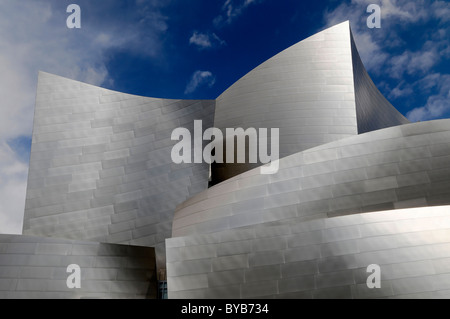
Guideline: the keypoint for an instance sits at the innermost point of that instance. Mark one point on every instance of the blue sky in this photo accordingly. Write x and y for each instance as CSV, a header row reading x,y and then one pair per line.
x,y
196,49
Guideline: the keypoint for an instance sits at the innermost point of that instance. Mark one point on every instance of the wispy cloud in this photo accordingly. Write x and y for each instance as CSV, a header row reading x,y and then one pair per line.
x,y
206,40
402,89
200,78
374,44
232,9
437,105
34,36
381,49
13,182
411,63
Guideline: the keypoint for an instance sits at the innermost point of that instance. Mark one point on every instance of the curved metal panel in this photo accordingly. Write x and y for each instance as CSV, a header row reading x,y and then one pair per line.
x,y
396,167
372,109
101,165
306,91
316,91
324,258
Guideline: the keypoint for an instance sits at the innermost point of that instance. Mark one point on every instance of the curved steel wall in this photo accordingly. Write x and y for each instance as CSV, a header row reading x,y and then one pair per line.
x,y
101,168
312,229
397,167
323,258
316,91
36,267
306,91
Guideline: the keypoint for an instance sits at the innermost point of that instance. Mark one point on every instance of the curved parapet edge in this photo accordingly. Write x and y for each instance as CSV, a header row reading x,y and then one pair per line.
x,y
397,167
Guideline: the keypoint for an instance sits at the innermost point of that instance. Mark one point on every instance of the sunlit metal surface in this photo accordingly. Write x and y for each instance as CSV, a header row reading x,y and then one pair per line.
x,y
316,91
323,258
396,167
101,168
312,229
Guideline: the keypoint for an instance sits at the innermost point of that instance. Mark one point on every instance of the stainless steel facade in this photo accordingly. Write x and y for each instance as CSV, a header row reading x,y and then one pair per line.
x,y
312,229
316,91
101,168
357,185
321,258
306,232
397,167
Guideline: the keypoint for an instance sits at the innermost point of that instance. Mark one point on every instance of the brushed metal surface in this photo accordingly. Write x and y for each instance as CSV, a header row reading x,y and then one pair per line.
x,y
100,165
411,246
334,189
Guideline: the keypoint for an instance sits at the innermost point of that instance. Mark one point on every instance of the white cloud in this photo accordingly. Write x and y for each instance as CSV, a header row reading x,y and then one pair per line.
x,y
406,11
428,82
34,36
413,62
206,40
441,10
202,40
438,104
373,44
13,182
376,47
200,78
232,9
401,89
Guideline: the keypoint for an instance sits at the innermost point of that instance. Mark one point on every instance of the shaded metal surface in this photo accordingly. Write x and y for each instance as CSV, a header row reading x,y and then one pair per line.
x,y
36,267
323,258
373,111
